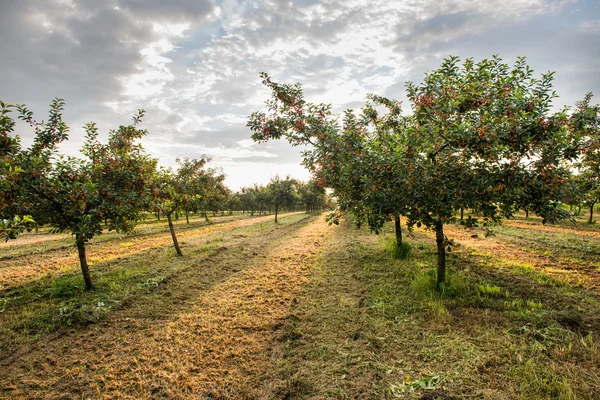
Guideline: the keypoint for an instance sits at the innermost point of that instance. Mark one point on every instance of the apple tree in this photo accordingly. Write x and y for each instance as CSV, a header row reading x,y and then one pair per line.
x,y
282,193
484,138
172,190
73,194
585,123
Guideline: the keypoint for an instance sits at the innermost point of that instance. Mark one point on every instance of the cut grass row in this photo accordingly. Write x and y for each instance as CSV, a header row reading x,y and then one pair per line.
x,y
43,241
47,304
368,326
563,257
205,332
31,266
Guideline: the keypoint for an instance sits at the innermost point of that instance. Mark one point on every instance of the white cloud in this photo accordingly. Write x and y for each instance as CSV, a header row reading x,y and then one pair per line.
x,y
194,65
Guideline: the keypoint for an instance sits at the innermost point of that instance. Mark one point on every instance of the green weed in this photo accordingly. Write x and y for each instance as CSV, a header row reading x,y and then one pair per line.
x,y
66,286
537,381
489,290
401,252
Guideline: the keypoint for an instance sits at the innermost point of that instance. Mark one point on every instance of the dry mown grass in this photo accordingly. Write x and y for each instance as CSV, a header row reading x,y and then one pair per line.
x,y
42,241
290,311
372,328
558,253
33,261
578,229
207,332
43,305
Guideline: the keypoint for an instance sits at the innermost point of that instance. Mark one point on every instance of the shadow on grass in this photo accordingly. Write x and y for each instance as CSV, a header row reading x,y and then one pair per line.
x,y
50,304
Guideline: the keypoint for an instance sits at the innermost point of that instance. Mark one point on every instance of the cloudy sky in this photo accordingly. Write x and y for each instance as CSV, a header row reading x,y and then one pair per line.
x,y
194,64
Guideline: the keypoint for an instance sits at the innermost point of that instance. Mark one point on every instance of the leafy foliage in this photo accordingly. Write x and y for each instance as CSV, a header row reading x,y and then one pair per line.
x,y
73,194
481,136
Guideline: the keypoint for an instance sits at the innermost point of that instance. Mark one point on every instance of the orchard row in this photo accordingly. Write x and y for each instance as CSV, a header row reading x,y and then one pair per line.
x,y
115,184
480,136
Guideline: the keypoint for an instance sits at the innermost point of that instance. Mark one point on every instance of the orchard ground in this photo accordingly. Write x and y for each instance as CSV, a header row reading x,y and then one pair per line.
x,y
303,310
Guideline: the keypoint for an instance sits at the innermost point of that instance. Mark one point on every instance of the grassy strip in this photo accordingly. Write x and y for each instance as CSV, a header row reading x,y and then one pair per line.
x,y
369,326
142,230
581,250
48,304
31,267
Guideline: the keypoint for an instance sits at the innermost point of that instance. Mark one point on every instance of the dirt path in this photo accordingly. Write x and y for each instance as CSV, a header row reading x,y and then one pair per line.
x,y
16,271
209,332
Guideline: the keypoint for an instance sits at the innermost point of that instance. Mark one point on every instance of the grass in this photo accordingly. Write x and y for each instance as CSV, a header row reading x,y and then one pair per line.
x,y
50,303
577,248
200,332
43,241
300,310
391,247
368,327
28,267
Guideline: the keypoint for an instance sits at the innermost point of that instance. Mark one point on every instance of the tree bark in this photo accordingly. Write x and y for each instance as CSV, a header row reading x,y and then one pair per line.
x,y
206,215
441,253
187,217
462,213
85,270
526,213
398,231
276,209
172,229
592,212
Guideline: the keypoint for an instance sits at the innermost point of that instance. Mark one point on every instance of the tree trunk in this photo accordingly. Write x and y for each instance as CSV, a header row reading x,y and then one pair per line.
x,y
441,253
592,212
172,229
526,213
187,217
276,209
85,270
158,215
398,231
570,207
462,213
579,211
206,215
